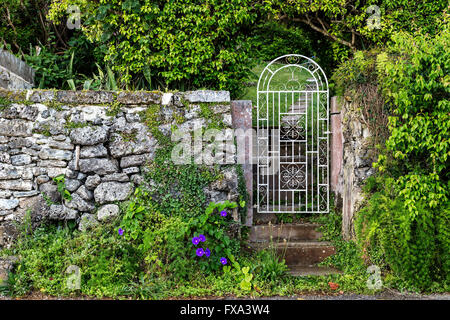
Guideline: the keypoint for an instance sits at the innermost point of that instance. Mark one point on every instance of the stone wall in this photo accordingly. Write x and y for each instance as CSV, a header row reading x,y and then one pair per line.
x,y
14,73
98,141
352,139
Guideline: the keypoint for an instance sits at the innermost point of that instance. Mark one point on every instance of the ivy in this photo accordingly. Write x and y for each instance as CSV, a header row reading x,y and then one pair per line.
x,y
407,216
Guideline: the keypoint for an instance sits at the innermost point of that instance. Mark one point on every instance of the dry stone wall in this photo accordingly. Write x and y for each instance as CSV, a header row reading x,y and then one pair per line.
x,y
98,141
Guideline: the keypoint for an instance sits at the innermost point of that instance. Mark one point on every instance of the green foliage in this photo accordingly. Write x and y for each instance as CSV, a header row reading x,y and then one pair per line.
x,y
241,274
215,119
356,79
175,45
107,262
161,239
415,247
269,266
62,59
4,103
271,39
114,109
69,69
166,240
61,185
179,188
51,69
346,22
216,230
154,260
20,24
405,224
352,73
420,125
349,256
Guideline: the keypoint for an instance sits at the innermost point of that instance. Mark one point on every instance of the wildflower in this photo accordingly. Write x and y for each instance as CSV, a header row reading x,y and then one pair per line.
x,y
195,241
223,261
223,213
120,232
200,252
201,237
207,252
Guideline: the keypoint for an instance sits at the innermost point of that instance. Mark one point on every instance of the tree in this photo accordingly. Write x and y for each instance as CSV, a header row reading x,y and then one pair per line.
x,y
351,23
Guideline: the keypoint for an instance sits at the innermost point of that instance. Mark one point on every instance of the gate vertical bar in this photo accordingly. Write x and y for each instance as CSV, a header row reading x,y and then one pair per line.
x,y
318,148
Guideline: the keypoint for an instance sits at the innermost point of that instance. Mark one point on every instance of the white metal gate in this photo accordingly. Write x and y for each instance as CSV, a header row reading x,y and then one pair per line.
x,y
292,137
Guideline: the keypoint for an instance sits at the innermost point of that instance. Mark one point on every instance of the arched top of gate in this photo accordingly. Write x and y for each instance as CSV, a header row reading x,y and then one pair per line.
x,y
292,72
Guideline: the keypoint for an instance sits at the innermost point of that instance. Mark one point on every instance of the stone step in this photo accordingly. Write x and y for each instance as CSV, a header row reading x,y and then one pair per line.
x,y
302,271
299,253
290,232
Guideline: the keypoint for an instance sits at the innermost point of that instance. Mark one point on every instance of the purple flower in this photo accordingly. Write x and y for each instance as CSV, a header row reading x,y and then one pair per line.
x,y
201,237
199,252
195,241
120,232
207,252
223,261
223,213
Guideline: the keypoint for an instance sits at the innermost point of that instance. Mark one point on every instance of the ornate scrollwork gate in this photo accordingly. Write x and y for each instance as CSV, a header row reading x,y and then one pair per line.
x,y
292,137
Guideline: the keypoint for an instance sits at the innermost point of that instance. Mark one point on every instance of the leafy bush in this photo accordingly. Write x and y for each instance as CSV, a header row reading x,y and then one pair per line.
x,y
76,63
22,23
414,246
167,241
106,261
347,22
115,258
176,45
405,224
414,76
271,40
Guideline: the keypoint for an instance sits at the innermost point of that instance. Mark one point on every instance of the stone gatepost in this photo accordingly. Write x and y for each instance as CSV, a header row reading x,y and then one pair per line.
x,y
14,73
351,160
241,111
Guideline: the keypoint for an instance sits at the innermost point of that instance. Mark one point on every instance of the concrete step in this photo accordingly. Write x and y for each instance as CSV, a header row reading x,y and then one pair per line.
x,y
299,253
290,232
301,271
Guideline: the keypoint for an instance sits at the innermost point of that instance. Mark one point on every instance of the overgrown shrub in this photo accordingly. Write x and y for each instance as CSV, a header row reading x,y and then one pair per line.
x,y
175,45
407,216
107,262
414,246
166,240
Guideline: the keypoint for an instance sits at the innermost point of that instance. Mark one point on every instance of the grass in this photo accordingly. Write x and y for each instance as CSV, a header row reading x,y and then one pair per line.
x,y
282,77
